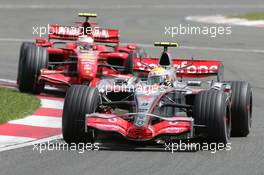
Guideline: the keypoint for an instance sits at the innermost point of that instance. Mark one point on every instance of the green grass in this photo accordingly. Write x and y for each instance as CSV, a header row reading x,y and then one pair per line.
x,y
250,16
14,104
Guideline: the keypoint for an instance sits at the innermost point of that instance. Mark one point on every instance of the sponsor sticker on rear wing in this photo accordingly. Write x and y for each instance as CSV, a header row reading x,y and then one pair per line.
x,y
64,32
105,35
197,68
184,67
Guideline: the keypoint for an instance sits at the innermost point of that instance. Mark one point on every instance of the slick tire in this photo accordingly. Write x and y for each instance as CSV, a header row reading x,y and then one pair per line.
x,y
22,54
241,108
211,110
79,101
35,59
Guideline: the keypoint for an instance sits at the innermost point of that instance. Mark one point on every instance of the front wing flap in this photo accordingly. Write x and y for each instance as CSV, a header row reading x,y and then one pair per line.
x,y
109,122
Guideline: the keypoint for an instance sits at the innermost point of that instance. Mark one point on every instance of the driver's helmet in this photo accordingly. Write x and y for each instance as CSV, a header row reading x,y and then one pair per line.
x,y
160,76
85,42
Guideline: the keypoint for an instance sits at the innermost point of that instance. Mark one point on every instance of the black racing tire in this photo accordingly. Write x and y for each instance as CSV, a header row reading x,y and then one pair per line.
x,y
212,110
241,108
35,59
79,101
22,54
129,65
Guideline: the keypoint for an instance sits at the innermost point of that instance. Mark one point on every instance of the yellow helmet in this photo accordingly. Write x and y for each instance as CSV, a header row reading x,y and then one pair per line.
x,y
159,75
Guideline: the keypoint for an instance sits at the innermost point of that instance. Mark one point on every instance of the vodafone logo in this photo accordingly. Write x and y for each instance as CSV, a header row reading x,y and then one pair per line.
x,y
195,68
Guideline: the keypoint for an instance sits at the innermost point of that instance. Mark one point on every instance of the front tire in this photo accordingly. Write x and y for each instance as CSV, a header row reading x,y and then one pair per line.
x,y
35,59
22,54
212,111
241,108
79,101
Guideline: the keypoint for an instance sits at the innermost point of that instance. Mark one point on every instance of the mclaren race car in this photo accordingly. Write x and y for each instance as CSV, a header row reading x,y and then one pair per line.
x,y
161,107
74,55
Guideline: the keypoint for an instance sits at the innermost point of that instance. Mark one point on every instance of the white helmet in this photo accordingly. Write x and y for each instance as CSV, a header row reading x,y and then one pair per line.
x,y
85,42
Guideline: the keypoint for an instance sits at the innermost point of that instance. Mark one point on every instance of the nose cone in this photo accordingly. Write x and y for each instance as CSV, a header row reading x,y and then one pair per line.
x,y
141,133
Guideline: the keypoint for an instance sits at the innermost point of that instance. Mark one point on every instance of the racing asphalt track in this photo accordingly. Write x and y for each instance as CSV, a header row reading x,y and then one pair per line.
x,y
143,22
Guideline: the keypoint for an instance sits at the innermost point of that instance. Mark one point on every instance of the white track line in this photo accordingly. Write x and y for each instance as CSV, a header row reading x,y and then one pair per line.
x,y
7,80
11,140
47,87
39,121
30,143
220,19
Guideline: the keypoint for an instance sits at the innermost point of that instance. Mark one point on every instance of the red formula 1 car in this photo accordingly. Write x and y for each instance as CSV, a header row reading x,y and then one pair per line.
x,y
163,107
70,56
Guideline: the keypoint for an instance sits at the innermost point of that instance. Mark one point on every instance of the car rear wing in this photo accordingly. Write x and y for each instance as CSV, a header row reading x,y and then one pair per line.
x,y
72,33
106,35
87,15
184,67
64,32
198,68
166,44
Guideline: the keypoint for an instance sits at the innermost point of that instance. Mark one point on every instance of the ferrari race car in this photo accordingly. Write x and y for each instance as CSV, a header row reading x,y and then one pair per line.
x,y
70,56
162,107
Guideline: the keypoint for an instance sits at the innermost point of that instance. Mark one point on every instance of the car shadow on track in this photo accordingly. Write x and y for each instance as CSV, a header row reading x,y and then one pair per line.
x,y
142,147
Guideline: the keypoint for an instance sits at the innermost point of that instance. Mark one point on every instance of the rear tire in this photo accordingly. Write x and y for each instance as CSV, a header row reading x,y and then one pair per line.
x,y
79,101
35,59
241,108
212,110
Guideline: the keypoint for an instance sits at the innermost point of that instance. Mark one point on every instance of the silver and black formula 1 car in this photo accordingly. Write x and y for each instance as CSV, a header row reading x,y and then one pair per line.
x,y
161,107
